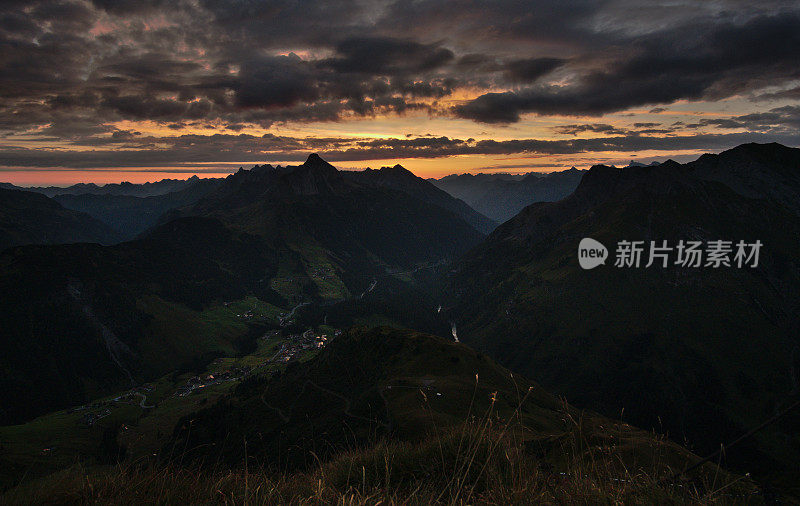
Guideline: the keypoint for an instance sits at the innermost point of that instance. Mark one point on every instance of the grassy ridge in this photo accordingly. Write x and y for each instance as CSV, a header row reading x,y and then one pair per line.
x,y
377,415
482,461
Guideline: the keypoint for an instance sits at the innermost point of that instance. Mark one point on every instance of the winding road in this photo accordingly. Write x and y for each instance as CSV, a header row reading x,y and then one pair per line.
x,y
142,402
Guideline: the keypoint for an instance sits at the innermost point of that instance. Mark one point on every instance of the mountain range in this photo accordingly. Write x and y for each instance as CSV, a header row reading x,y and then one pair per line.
x,y
126,188
133,214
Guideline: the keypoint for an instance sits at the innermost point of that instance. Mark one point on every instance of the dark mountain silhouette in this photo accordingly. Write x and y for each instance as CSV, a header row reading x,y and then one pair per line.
x,y
703,353
758,171
502,196
335,220
31,218
399,178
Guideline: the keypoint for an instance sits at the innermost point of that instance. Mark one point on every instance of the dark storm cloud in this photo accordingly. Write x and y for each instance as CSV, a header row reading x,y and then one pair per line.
x,y
689,62
129,6
496,22
222,72
531,69
388,56
276,82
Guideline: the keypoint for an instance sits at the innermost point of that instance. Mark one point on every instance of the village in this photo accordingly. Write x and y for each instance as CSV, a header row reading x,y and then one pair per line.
x,y
206,380
292,347
297,344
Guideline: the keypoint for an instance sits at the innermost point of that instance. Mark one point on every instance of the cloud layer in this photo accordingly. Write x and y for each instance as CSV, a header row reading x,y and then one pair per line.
x,y
73,71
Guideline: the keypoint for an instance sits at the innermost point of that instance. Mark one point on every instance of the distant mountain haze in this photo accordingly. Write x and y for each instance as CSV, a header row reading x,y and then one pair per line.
x,y
502,196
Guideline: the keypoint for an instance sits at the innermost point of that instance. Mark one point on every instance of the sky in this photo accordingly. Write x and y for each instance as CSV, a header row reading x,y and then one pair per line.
x,y
140,90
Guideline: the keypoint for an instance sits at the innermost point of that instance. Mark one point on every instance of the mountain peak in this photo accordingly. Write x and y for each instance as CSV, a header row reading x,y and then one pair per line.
x,y
397,169
315,160
670,164
314,176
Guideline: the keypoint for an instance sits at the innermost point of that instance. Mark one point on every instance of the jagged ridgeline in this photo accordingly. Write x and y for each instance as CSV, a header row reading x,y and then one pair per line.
x,y
704,354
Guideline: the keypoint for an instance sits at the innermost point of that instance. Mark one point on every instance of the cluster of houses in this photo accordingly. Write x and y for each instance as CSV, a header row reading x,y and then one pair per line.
x,y
203,381
247,315
295,345
93,412
299,343
132,396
